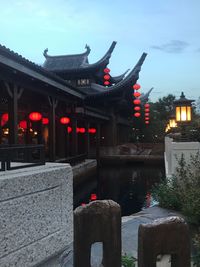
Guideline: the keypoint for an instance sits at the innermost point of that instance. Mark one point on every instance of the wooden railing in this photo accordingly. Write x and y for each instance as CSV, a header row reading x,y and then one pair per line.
x,y
21,156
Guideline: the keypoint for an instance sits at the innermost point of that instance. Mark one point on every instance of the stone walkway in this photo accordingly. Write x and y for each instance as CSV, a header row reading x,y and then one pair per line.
x,y
130,226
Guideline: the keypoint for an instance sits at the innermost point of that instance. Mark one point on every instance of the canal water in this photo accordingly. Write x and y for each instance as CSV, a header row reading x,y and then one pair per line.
x,y
127,184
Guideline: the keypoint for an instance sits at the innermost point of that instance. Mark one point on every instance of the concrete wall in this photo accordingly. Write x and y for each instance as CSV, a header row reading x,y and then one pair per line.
x,y
176,149
36,215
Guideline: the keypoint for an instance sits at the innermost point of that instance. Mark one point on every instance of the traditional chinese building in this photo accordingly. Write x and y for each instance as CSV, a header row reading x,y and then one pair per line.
x,y
64,104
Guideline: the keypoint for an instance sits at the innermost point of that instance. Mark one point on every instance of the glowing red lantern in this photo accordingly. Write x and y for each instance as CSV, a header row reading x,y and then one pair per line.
x,y
93,197
35,116
106,83
64,120
80,130
146,122
147,110
106,77
137,101
146,114
137,108
69,129
137,114
106,70
136,94
45,121
136,86
92,130
23,124
146,105
4,119
146,118
83,204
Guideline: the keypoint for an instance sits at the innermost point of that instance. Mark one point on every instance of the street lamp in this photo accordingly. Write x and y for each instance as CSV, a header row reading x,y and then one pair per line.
x,y
172,121
183,109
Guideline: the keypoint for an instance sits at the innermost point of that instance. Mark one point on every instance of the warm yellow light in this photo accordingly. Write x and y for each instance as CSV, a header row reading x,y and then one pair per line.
x,y
178,113
183,113
172,123
189,113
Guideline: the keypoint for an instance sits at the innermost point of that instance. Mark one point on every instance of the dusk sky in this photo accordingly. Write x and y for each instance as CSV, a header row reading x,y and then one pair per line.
x,y
169,31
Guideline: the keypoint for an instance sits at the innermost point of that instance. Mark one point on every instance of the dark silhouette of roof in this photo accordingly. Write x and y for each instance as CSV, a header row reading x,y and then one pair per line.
x,y
97,90
71,63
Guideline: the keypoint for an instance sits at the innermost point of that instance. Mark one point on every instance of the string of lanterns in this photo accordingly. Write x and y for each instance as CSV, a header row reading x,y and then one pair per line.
x,y
106,77
146,113
136,101
37,116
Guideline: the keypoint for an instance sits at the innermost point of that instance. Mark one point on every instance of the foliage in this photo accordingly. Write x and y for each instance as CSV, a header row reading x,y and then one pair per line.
x,y
196,257
128,261
182,191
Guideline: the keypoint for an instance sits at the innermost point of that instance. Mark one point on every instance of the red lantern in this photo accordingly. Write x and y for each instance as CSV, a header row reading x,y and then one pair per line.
x,y
136,94
137,108
69,129
45,121
35,116
23,124
64,120
137,101
92,130
106,70
93,197
106,77
146,114
146,118
80,130
106,83
147,110
146,105
137,114
136,86
146,122
4,119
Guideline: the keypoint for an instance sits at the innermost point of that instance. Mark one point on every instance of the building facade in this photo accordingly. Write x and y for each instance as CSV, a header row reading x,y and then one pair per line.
x,y
64,104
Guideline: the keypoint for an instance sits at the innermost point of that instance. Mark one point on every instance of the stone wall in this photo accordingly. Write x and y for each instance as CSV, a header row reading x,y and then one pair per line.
x,y
174,150
36,215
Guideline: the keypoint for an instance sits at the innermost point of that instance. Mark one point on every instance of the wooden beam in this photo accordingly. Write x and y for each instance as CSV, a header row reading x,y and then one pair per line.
x,y
35,74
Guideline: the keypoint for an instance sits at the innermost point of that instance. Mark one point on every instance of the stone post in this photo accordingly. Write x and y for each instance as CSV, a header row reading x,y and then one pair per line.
x,y
99,221
164,236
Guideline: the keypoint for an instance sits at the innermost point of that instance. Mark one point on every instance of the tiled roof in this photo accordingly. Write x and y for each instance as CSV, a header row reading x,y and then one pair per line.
x,y
75,62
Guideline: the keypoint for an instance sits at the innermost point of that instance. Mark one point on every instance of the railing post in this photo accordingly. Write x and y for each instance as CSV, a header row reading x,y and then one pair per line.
x,y
99,221
166,236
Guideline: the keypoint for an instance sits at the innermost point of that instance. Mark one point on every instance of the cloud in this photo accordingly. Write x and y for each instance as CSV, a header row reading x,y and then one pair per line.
x,y
174,46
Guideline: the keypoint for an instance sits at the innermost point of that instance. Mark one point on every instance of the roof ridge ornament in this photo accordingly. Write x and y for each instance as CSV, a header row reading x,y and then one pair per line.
x,y
45,53
87,47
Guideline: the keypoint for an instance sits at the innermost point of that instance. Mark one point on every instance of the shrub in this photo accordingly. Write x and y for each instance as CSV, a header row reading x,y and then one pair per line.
x,y
128,261
182,191
196,257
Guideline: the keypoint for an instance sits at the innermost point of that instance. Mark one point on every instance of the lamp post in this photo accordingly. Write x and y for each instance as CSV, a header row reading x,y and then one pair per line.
x,y
183,108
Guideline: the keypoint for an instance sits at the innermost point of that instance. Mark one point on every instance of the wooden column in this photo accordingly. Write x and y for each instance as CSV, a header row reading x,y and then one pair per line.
x,y
14,94
113,133
74,137
52,132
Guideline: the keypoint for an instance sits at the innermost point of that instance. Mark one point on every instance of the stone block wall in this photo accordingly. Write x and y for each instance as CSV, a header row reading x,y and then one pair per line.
x,y
36,214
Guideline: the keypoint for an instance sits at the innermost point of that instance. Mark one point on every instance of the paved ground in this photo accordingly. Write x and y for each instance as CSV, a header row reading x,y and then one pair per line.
x,y
130,226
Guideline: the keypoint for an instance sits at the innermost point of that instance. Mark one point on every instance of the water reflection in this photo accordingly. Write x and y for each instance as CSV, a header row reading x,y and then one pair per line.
x,y
129,185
